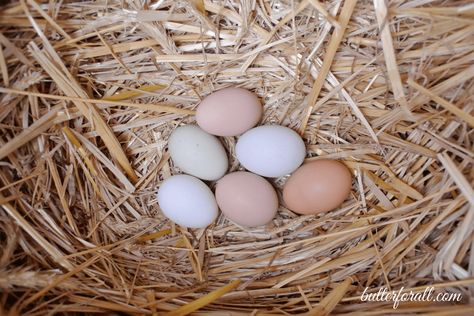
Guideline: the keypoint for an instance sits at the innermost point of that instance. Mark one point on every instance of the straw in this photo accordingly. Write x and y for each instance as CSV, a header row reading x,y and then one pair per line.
x,y
91,91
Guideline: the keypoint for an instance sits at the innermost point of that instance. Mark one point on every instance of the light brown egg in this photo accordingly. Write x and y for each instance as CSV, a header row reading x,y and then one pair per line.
x,y
318,186
229,112
246,198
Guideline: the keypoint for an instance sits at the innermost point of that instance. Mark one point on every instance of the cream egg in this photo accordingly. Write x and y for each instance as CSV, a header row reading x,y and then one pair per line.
x,y
317,186
270,150
246,199
187,201
197,153
229,112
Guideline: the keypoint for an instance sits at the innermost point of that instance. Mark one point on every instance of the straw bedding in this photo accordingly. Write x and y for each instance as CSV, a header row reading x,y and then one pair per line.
x,y
92,89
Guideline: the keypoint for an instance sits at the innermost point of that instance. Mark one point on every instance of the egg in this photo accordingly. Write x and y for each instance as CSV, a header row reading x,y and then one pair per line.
x,y
317,186
246,199
187,201
229,112
270,150
197,153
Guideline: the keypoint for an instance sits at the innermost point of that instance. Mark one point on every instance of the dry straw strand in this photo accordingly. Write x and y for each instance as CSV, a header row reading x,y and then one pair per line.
x,y
333,45
383,21
203,301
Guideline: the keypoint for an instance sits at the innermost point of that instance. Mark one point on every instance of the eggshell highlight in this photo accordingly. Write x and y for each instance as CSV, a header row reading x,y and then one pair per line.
x,y
229,112
247,199
197,153
187,201
270,150
318,186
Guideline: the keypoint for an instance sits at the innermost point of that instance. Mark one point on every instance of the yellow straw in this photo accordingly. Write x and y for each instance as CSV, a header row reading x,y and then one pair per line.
x,y
203,301
133,93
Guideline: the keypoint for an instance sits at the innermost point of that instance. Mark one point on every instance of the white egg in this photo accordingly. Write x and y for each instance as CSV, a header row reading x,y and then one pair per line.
x,y
198,153
187,201
270,150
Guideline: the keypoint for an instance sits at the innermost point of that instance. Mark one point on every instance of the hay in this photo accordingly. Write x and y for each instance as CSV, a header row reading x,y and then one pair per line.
x,y
91,91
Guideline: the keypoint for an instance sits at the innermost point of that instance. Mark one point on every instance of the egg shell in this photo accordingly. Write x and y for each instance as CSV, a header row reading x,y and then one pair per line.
x,y
229,112
198,153
247,199
317,186
187,201
270,150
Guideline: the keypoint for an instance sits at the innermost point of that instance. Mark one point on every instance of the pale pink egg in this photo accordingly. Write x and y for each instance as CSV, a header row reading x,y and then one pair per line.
x,y
229,112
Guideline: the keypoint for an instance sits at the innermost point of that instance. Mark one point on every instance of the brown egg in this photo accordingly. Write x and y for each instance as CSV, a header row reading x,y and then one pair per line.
x,y
229,112
247,199
318,186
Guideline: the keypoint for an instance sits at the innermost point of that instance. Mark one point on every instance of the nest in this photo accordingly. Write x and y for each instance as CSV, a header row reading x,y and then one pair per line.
x,y
91,91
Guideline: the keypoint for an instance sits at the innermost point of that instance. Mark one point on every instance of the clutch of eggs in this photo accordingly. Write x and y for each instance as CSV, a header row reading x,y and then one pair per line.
x,y
246,198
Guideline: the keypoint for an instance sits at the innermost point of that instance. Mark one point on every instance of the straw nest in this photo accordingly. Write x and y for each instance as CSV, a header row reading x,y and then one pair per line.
x,y
91,91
